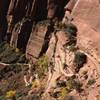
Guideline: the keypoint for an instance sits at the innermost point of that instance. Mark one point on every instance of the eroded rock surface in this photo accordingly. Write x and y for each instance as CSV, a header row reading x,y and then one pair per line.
x,y
89,11
37,39
55,50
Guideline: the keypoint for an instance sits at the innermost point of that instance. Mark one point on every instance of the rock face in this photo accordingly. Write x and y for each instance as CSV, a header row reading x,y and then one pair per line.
x,y
87,19
19,10
3,21
89,11
37,40
65,51
56,8
86,37
60,57
21,31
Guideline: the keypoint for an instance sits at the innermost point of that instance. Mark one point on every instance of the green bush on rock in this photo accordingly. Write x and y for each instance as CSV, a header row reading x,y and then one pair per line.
x,y
91,82
79,60
9,55
42,65
71,30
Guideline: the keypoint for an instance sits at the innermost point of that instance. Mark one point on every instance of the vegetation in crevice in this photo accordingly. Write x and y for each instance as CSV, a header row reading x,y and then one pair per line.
x,y
91,82
79,60
42,66
9,55
65,87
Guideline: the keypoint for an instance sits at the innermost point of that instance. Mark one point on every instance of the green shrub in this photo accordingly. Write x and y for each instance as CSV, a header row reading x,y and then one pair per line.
x,y
74,84
16,68
73,48
43,23
9,55
79,60
71,83
64,92
61,83
56,94
3,98
6,52
42,65
61,26
71,30
22,59
91,82
3,47
11,94
72,41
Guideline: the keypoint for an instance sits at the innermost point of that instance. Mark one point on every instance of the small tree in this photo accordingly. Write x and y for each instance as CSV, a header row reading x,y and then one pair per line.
x,y
79,60
71,30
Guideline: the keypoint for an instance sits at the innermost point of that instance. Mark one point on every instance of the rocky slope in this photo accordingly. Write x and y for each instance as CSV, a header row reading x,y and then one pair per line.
x,y
49,52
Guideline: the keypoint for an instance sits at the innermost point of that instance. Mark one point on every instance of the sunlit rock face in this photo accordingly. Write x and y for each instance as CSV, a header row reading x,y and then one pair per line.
x,y
36,43
87,19
89,11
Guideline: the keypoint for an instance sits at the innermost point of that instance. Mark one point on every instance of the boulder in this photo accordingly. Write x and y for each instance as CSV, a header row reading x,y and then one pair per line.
x,y
36,41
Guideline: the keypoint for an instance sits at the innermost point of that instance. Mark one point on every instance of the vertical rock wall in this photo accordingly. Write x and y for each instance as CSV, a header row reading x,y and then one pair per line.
x,y
89,11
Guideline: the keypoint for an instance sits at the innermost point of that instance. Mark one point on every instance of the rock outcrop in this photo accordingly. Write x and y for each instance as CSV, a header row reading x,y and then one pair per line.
x,y
88,10
37,40
30,10
63,57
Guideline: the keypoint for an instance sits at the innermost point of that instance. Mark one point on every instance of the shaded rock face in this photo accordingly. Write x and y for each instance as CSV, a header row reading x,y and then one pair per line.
x,y
21,32
31,8
4,5
3,22
34,11
41,10
68,11
17,9
56,8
